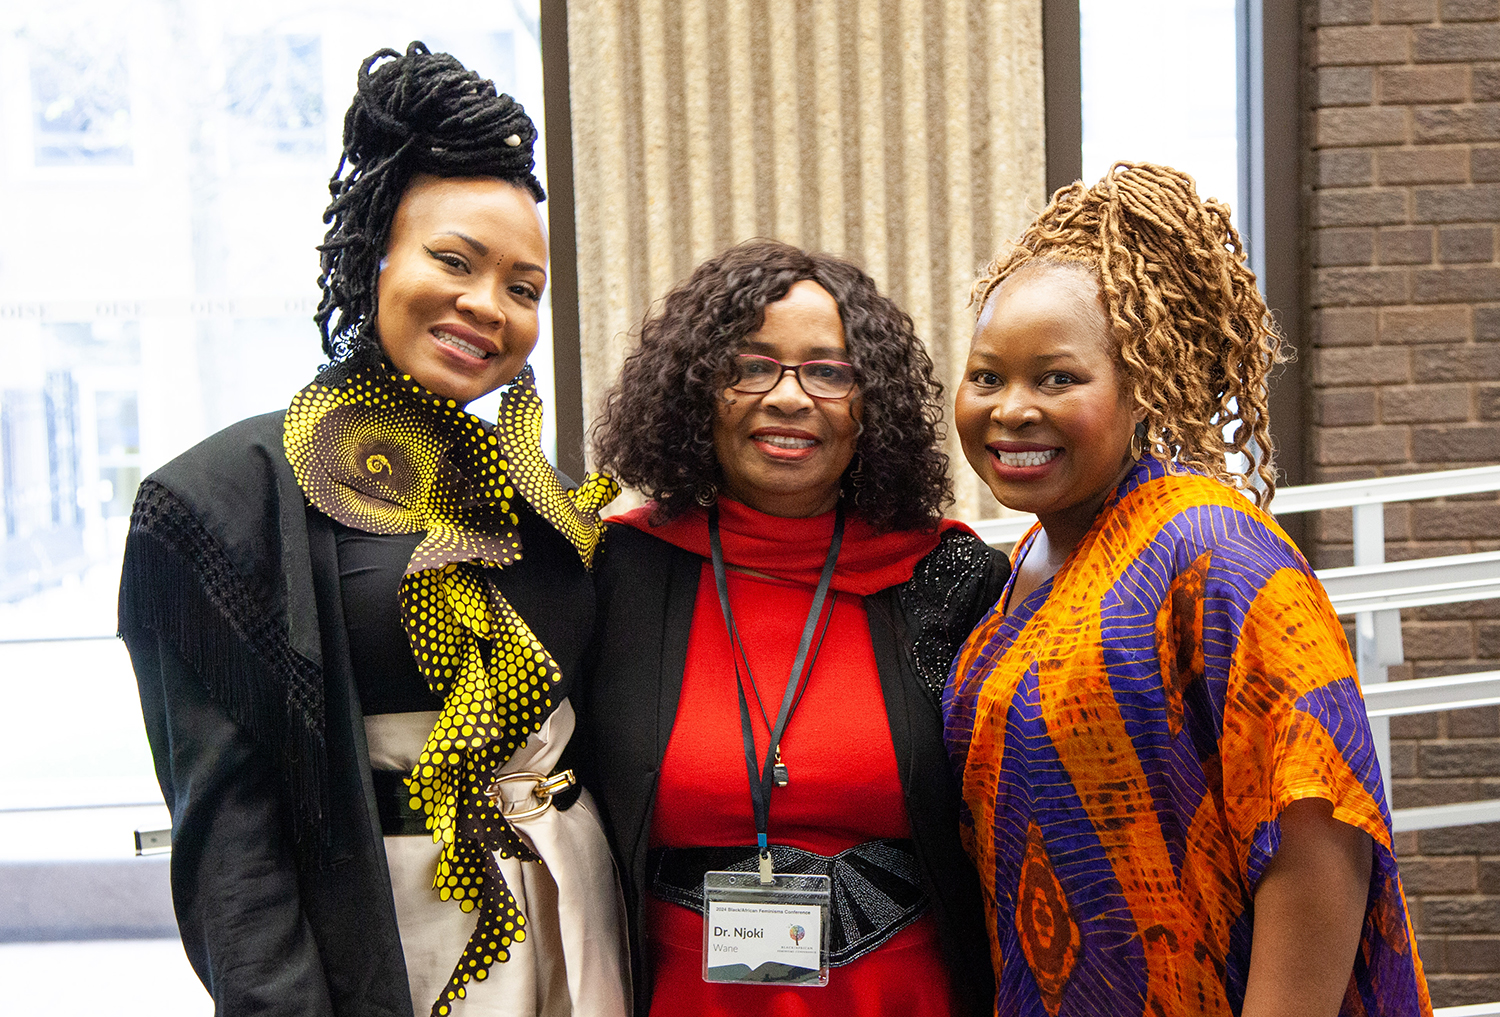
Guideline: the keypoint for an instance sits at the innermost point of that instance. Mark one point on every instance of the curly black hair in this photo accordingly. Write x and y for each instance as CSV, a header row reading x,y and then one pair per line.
x,y
422,112
656,431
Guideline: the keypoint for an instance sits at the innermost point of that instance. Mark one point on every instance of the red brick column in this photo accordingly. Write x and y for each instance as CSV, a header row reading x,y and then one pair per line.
x,y
1403,366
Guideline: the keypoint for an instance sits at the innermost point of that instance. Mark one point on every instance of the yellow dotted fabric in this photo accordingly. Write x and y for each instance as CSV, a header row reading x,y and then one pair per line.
x,y
380,453
574,513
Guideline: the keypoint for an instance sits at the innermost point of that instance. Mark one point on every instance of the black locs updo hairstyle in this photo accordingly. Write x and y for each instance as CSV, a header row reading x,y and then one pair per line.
x,y
656,431
420,112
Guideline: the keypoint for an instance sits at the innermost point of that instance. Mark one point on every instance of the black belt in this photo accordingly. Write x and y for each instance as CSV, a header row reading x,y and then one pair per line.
x,y
877,889
393,800
399,819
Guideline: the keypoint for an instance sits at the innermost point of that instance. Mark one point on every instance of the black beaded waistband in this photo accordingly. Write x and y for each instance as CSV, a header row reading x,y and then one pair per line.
x,y
877,888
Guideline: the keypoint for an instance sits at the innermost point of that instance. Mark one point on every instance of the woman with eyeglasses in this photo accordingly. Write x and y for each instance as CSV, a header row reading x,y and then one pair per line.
x,y
775,628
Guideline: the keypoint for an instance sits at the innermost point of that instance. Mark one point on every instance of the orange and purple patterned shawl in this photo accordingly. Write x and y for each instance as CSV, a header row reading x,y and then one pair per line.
x,y
1126,740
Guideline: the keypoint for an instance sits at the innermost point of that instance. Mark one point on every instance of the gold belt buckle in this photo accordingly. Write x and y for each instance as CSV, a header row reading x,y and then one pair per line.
x,y
545,788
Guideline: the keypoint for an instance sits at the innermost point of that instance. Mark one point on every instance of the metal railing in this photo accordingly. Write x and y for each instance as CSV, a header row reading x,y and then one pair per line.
x,y
1473,1010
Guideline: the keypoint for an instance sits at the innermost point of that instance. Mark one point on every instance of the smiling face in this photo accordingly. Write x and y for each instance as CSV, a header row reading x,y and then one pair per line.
x,y
783,452
1042,411
461,282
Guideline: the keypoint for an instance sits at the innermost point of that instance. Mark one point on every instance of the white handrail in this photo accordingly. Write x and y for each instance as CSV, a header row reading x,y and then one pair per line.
x,y
1418,583
1385,587
1413,487
1314,497
1428,695
1472,1010
1432,817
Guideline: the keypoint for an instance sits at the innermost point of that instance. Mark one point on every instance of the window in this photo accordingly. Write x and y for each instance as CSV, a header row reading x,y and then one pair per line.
x,y
1158,82
80,99
273,97
142,308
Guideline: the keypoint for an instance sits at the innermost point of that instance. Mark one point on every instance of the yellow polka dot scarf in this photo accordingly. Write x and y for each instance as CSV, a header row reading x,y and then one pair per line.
x,y
378,452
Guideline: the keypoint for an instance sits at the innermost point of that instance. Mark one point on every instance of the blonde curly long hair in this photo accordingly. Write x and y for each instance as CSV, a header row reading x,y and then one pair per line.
x,y
1197,342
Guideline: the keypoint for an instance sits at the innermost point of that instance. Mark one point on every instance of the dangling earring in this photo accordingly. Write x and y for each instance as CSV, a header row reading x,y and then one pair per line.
x,y
706,493
1138,442
857,478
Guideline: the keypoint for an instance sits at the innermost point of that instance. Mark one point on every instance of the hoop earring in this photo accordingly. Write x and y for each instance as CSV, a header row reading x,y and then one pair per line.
x,y
1138,442
706,493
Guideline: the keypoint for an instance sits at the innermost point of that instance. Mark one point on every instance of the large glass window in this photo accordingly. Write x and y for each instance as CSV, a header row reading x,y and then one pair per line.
x,y
1159,85
80,95
165,166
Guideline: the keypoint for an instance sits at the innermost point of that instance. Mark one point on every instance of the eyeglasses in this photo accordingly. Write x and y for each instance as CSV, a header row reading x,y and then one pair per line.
x,y
821,379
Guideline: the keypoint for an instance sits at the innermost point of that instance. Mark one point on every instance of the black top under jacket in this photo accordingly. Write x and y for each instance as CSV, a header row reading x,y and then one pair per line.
x,y
555,600
633,679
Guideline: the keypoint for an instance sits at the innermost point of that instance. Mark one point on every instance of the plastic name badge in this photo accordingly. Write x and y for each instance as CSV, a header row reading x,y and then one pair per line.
x,y
759,934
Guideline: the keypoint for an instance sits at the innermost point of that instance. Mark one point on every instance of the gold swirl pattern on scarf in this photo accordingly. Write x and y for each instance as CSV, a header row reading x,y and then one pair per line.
x,y
380,453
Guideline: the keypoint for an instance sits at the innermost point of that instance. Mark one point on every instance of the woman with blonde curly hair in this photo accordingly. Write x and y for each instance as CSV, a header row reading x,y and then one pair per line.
x,y
1169,781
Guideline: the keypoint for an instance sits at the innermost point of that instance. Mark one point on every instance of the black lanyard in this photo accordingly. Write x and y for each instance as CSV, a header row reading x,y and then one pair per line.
x,y
760,784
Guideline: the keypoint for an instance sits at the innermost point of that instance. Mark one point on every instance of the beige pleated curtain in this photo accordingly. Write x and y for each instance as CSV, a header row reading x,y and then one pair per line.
x,y
904,135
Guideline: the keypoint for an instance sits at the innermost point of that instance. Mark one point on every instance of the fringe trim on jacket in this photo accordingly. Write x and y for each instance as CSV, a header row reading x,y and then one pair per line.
x,y
179,583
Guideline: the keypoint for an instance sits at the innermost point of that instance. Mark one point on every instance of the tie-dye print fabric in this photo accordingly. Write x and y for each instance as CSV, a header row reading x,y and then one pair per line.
x,y
1126,740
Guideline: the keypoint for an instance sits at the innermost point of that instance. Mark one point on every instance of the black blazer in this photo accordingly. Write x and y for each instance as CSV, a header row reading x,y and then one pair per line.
x,y
633,679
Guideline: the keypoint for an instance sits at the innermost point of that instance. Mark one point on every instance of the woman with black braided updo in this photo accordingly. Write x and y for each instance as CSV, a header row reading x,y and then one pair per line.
x,y
356,624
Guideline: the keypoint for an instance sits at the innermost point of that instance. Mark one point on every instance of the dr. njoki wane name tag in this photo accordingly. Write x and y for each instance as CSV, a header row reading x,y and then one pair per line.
x,y
773,934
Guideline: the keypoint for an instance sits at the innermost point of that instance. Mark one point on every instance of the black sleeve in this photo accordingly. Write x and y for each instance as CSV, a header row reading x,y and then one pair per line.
x,y
950,592
234,876
916,629
996,575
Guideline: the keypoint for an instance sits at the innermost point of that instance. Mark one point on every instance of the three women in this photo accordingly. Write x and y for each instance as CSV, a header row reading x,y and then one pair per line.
x,y
362,619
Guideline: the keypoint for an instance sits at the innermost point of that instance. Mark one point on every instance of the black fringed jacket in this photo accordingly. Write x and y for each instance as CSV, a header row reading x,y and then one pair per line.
x,y
231,608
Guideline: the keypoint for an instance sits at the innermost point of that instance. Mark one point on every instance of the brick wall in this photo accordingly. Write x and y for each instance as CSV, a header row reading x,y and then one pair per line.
x,y
1403,369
